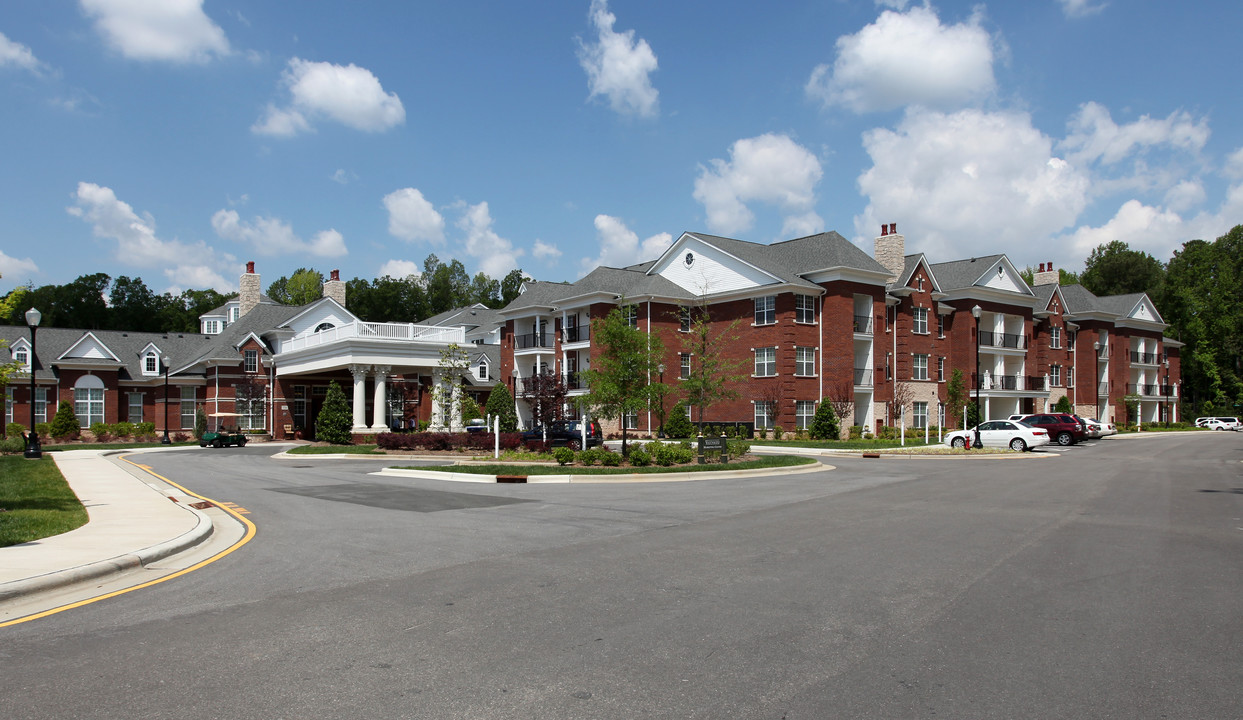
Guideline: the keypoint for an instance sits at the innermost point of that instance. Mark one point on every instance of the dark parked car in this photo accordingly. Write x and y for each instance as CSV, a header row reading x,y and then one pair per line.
x,y
1063,429
566,433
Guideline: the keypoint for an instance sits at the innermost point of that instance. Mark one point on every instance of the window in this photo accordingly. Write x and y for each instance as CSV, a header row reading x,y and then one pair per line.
x,y
763,412
804,412
940,369
22,356
134,407
920,317
920,411
8,405
688,411
631,420
481,372
1055,338
1055,375
234,314
805,361
631,314
765,362
766,310
88,405
187,407
299,406
684,319
920,369
1070,377
804,308
211,327
940,325
684,359
252,360
150,364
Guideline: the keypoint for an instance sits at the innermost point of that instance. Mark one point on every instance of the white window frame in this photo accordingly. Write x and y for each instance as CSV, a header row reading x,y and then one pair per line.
x,y
186,406
630,313
919,320
130,406
919,362
684,363
8,404
804,413
765,310
1055,375
805,309
151,364
765,359
941,369
88,406
761,415
21,355
250,361
919,414
684,318
940,326
804,361
630,420
1055,338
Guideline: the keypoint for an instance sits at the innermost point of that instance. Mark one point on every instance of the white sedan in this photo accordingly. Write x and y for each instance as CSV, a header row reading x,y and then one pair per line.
x,y
1018,436
1099,429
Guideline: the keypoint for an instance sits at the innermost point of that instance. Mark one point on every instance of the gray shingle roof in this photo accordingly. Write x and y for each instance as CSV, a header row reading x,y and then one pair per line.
x,y
789,260
127,346
961,274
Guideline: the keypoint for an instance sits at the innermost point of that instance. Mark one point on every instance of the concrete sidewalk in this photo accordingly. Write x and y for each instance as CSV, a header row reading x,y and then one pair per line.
x,y
132,523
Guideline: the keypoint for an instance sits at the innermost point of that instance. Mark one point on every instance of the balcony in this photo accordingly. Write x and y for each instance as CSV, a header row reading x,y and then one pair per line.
x,y
532,340
1102,389
1037,383
863,325
863,377
1147,390
1003,340
1010,383
576,334
574,381
383,332
1139,358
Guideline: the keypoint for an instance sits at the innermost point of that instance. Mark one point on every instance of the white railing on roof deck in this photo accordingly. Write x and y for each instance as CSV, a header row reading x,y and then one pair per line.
x,y
389,332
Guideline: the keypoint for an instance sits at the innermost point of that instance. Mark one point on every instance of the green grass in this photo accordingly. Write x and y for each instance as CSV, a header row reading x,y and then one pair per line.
x,y
850,444
335,450
112,446
771,461
36,501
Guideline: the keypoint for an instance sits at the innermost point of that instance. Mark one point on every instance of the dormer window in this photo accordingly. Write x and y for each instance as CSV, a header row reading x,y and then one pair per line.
x,y
211,327
234,314
22,356
151,363
251,358
324,326
481,372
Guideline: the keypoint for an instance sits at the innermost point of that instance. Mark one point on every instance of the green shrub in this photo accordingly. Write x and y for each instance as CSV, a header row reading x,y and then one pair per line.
x,y
678,426
44,429
762,433
563,455
12,444
856,432
824,424
335,418
501,403
737,447
100,431
200,423
122,429
14,430
799,433
778,431
65,423
589,456
640,457
609,458
144,429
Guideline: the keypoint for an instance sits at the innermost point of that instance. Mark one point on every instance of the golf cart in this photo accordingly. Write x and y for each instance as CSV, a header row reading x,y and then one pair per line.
x,y
222,436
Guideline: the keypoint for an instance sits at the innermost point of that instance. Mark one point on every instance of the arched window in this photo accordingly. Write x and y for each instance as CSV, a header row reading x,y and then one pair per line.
x,y
88,400
324,326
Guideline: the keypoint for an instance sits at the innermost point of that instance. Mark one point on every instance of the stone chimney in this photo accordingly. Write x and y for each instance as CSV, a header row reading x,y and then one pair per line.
x,y
1046,275
334,288
249,288
891,250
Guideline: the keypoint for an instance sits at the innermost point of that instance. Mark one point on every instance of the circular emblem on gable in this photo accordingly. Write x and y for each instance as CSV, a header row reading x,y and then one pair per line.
x,y
689,259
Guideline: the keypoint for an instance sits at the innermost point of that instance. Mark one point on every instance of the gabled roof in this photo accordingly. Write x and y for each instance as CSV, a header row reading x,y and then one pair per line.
x,y
790,260
126,347
910,264
261,320
476,319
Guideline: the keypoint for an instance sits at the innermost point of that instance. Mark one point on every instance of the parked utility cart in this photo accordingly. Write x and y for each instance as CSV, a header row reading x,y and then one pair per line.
x,y
222,436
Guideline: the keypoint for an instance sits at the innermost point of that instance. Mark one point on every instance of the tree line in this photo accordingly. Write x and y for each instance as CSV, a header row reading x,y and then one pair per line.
x,y
99,302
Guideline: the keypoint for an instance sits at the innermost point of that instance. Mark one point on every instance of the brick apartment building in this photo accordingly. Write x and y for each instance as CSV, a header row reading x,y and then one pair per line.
x,y
255,364
818,318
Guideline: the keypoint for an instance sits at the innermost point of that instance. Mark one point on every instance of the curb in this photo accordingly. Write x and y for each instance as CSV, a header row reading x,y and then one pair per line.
x,y
599,479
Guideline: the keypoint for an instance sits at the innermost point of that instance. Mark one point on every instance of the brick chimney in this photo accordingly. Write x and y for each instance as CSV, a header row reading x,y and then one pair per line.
x,y
249,288
334,288
891,250
1046,275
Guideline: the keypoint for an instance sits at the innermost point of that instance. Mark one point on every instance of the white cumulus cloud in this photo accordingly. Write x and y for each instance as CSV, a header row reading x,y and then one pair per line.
x,y
618,66
968,183
346,94
412,218
272,236
15,54
1080,8
399,269
495,254
138,244
545,251
14,268
173,30
620,246
1095,137
770,169
908,59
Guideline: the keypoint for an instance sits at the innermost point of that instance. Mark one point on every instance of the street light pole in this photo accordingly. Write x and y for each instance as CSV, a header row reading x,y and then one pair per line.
x,y
33,451
661,369
165,441
975,313
1166,363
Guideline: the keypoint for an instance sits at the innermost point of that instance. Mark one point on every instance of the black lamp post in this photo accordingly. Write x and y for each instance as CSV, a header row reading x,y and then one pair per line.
x,y
1097,347
975,313
33,451
1166,363
661,369
165,441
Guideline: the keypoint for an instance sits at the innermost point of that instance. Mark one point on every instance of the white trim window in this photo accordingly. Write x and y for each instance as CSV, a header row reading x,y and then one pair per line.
x,y
941,369
940,325
804,413
630,313
684,361
1055,338
8,404
1055,375
630,420
151,364
919,370
187,407
919,412
211,327
251,360
765,362
684,319
762,411
21,356
919,320
481,371
805,309
133,407
766,310
805,361
88,401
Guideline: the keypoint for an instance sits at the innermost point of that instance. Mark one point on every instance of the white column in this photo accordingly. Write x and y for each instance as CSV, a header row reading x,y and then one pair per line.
x,y
360,399
380,399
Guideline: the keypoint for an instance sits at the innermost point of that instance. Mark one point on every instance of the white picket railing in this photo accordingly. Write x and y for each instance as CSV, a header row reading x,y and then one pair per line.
x,y
389,332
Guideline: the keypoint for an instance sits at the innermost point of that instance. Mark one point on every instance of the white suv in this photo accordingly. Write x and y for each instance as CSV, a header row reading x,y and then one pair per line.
x,y
1223,423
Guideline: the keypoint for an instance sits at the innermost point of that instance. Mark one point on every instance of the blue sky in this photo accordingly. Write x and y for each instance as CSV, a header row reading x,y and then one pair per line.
x,y
176,139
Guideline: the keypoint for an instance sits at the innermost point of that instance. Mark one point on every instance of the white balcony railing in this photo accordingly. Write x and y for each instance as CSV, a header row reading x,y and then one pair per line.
x,y
385,332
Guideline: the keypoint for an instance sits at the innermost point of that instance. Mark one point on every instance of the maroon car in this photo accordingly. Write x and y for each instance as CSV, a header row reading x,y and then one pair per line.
x,y
1063,429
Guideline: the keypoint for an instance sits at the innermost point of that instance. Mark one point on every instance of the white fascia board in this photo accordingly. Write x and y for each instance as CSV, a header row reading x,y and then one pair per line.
x,y
238,345
313,306
88,336
847,274
1004,297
